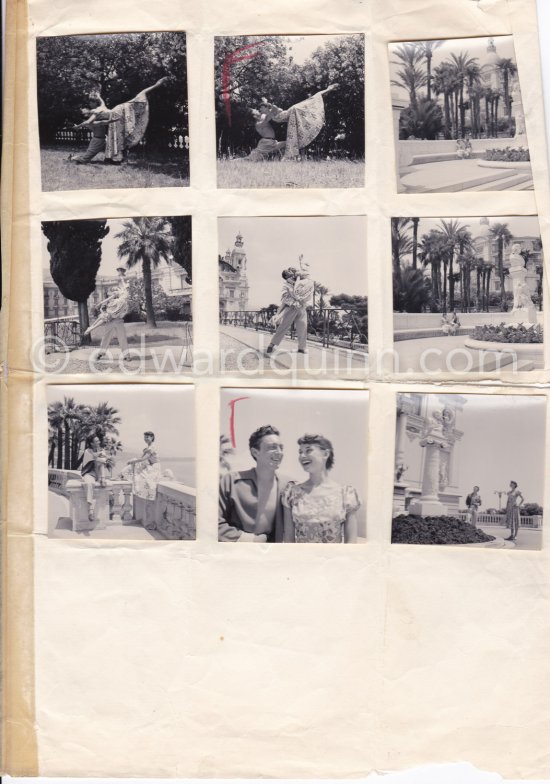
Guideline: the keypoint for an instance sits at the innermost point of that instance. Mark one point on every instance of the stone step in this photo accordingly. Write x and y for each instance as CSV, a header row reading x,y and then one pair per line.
x,y
475,183
523,179
488,364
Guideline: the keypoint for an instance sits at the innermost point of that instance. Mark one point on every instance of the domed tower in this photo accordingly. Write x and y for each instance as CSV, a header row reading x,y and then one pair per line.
x,y
490,70
238,255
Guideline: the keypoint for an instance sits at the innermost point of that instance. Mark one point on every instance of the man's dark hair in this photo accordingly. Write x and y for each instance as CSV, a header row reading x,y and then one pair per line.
x,y
256,438
289,272
149,433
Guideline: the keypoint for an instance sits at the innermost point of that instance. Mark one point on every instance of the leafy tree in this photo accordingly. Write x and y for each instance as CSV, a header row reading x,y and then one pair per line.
x,y
181,248
401,245
508,69
136,301
72,424
409,76
75,255
147,241
355,318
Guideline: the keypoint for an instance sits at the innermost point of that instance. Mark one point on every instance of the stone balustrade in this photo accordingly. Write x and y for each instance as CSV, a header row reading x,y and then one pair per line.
x,y
58,478
112,504
526,521
172,513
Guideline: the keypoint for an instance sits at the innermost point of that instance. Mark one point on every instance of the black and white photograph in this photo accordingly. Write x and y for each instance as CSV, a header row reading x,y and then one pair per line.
x,y
293,466
458,116
467,294
469,470
290,111
121,462
293,294
117,296
112,111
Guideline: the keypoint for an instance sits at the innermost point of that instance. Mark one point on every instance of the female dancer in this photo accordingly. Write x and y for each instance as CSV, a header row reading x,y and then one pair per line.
x,y
111,312
513,504
319,510
304,123
144,471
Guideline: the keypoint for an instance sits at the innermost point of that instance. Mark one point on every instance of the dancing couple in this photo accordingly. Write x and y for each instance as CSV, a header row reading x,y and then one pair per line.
x,y
111,315
292,312
304,123
115,131
259,505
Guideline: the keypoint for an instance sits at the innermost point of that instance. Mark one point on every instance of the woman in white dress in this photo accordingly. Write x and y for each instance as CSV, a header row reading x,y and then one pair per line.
x,y
145,471
319,509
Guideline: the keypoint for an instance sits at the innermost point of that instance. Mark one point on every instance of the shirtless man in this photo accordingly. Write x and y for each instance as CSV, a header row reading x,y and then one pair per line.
x,y
250,501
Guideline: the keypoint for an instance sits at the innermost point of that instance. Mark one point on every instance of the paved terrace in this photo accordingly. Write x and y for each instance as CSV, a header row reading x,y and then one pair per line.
x,y
243,349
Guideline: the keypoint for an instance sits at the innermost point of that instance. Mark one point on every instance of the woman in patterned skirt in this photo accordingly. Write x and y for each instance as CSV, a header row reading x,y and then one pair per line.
x,y
319,510
513,505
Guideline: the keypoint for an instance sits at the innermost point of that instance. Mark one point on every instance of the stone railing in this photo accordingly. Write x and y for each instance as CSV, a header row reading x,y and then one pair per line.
x,y
58,478
172,513
526,521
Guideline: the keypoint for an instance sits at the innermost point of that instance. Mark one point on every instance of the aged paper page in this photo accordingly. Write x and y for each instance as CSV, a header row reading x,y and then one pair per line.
x,y
205,659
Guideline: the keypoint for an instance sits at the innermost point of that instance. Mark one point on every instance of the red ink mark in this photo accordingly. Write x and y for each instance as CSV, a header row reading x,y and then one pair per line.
x,y
236,56
231,405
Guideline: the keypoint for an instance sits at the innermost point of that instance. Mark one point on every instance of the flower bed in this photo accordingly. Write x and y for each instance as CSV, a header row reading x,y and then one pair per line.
x,y
509,154
412,529
508,333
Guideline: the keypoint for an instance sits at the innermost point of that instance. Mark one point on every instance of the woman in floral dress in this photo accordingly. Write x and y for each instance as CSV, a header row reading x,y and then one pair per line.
x,y
144,472
319,510
513,504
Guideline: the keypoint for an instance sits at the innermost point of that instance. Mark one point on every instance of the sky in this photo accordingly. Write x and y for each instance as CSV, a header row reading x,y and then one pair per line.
x,y
109,245
475,47
520,226
335,248
503,440
167,410
341,416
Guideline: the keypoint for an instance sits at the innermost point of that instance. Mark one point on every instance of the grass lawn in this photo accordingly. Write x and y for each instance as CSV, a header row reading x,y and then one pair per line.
x,y
60,174
240,173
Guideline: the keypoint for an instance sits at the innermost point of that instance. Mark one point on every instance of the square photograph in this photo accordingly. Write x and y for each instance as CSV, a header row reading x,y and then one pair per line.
x,y
467,294
293,295
112,111
121,462
290,111
458,117
293,466
469,470
117,296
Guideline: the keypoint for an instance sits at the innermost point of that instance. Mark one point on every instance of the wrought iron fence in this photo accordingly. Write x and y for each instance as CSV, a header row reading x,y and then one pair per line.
x,y
63,330
331,327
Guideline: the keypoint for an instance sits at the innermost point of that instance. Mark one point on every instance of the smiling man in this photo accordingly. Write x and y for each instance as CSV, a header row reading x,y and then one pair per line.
x,y
250,501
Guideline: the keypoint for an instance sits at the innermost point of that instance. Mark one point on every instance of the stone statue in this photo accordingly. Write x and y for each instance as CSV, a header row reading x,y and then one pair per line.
x,y
399,471
524,310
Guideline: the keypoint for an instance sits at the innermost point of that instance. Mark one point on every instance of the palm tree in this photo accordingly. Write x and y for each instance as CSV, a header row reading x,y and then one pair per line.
x,y
461,63
415,291
456,236
503,236
409,77
56,421
427,48
433,249
507,68
473,79
401,245
149,241
226,449
443,83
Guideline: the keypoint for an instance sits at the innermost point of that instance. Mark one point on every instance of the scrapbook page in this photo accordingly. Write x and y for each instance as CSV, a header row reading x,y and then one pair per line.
x,y
274,280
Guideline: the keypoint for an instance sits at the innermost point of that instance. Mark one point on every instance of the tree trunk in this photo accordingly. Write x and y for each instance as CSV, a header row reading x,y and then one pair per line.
x,y
67,446
447,116
148,287
415,222
501,273
60,447
451,282
429,70
84,319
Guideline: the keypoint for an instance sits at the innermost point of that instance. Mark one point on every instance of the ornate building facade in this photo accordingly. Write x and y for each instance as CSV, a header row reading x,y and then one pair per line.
x,y
170,276
233,281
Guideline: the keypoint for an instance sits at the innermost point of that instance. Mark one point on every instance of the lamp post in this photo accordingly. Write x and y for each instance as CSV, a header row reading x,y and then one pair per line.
x,y
500,493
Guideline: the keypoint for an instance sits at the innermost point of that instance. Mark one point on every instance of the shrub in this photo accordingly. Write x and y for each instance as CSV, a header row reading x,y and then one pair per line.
x,y
509,333
531,509
509,154
413,529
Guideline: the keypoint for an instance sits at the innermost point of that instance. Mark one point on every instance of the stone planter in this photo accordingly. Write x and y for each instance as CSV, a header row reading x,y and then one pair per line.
x,y
515,165
531,352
